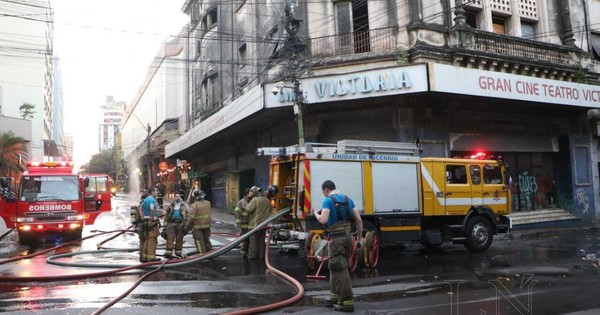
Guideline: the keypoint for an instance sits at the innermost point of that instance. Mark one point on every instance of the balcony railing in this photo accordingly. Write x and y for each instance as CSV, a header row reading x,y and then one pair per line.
x,y
522,48
376,40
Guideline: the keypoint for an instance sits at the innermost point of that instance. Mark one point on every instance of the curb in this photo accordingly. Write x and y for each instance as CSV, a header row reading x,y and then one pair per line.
x,y
586,228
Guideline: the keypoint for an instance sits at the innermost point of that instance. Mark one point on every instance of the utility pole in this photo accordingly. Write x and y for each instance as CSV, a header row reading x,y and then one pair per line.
x,y
295,46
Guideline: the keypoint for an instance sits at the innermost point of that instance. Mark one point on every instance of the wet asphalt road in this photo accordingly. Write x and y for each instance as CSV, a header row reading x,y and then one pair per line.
x,y
530,274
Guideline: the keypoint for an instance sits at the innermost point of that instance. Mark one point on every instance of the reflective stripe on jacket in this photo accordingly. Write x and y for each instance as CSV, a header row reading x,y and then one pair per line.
x,y
259,209
200,215
241,215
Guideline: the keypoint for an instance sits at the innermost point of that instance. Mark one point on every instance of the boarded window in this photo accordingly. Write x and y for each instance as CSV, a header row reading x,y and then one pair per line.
x,y
499,25
582,165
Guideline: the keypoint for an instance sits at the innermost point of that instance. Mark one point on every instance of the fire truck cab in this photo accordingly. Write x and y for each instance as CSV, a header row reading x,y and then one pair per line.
x,y
401,196
51,199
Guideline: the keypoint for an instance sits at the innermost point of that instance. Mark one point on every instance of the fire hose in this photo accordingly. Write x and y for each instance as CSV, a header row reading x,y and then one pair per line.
x,y
120,269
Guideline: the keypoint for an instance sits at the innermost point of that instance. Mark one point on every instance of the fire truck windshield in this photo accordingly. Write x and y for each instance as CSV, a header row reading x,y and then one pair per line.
x,y
49,187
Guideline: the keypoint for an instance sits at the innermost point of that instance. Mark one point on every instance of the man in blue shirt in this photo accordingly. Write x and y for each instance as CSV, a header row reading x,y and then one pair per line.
x,y
336,213
150,226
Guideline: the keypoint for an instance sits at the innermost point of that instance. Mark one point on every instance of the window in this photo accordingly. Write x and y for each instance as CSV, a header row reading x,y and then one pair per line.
x,y
492,175
209,91
344,23
210,20
198,50
527,30
509,17
456,174
499,25
475,174
242,55
471,18
212,17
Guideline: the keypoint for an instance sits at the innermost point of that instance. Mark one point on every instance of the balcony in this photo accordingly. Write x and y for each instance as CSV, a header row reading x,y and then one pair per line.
x,y
369,41
489,51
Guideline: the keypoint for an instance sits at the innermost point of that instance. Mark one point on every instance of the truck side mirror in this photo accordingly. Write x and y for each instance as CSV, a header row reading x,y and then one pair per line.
x,y
3,182
86,182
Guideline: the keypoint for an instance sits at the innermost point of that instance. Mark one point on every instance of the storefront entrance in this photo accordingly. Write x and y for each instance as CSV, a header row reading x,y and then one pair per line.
x,y
532,178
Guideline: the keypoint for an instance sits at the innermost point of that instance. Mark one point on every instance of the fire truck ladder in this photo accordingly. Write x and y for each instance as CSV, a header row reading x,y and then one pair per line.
x,y
348,147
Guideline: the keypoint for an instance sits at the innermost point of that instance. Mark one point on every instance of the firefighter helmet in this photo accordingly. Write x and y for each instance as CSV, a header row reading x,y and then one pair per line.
x,y
272,190
254,191
198,194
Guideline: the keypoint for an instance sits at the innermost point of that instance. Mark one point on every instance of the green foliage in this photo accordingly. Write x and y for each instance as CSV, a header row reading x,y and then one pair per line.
x,y
402,56
103,162
12,154
27,110
580,76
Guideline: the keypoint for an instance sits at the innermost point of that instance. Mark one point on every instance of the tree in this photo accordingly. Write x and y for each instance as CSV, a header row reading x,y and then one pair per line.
x,y
103,162
27,110
12,154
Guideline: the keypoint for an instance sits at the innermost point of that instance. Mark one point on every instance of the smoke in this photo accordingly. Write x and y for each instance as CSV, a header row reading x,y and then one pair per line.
x,y
134,179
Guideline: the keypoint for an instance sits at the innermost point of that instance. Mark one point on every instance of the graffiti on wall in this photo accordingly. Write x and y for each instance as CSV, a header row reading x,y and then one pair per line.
x,y
535,191
527,186
582,200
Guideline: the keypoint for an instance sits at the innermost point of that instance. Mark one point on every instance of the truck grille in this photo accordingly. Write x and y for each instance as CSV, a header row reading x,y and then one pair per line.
x,y
49,216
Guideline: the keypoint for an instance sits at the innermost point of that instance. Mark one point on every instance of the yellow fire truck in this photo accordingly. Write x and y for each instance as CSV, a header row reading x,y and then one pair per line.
x,y
401,196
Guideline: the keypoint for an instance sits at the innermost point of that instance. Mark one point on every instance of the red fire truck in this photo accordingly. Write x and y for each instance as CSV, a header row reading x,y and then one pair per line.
x,y
52,199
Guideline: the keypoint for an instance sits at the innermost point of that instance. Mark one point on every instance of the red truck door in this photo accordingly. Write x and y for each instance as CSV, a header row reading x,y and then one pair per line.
x,y
96,196
8,201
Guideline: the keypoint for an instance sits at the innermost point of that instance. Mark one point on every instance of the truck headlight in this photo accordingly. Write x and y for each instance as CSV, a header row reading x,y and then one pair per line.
x,y
78,217
25,219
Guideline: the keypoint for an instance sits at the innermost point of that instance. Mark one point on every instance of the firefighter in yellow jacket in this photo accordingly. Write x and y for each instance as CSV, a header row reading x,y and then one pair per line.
x,y
242,218
199,221
259,209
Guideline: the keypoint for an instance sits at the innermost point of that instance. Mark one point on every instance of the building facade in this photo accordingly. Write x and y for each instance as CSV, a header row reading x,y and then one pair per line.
x,y
512,78
26,69
110,123
58,120
153,118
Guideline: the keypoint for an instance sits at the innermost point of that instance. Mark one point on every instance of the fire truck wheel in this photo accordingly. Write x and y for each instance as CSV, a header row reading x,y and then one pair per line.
x,y
479,234
74,235
353,259
25,239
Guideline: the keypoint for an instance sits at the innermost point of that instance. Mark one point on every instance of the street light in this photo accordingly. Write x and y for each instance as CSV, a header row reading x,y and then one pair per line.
x,y
298,103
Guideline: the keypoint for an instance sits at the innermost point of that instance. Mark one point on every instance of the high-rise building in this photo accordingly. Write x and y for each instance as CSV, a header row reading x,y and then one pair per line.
x,y
110,125
58,123
26,71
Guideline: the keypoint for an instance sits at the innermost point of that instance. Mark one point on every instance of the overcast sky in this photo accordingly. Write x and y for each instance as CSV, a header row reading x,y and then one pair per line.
x,y
105,48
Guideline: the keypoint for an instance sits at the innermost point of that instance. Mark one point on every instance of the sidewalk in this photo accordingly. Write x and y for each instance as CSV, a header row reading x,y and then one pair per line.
x,y
581,227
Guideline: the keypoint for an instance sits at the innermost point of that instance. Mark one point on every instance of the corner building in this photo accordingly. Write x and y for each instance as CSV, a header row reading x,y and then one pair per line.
x,y
512,78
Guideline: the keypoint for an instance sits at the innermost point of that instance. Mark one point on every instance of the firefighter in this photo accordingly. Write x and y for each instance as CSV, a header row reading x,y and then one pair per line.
x,y
242,218
139,223
259,209
175,218
150,226
199,221
336,213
